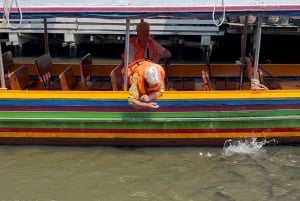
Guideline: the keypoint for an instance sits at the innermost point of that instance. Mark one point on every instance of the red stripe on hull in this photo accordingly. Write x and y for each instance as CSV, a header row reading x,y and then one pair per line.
x,y
125,131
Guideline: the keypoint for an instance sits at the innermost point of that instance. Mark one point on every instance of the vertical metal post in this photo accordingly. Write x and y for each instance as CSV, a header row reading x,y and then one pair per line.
x,y
243,49
2,70
126,56
46,36
257,47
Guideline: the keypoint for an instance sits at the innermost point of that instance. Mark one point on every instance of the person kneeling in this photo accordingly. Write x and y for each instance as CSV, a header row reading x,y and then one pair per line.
x,y
146,84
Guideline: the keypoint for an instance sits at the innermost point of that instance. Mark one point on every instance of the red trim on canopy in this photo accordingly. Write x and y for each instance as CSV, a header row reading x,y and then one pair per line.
x,y
143,9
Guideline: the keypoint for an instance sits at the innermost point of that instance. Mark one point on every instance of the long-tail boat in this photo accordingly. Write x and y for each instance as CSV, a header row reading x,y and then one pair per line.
x,y
204,104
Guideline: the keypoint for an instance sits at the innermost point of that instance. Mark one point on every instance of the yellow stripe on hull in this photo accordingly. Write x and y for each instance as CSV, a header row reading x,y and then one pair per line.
x,y
178,95
147,135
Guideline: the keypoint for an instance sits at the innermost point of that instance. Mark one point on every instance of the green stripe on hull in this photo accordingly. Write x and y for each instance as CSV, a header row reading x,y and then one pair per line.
x,y
287,118
147,115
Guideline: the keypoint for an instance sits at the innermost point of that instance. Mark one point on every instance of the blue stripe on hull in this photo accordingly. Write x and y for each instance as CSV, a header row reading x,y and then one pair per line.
x,y
163,103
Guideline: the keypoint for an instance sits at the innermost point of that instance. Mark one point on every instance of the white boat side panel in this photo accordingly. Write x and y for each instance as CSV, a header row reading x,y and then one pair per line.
x,y
144,7
158,3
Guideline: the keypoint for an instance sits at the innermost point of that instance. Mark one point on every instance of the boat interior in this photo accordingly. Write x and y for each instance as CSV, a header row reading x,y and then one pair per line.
x,y
45,74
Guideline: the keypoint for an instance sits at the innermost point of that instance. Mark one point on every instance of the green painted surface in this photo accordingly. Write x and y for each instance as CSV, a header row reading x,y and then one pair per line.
x,y
157,125
147,115
158,120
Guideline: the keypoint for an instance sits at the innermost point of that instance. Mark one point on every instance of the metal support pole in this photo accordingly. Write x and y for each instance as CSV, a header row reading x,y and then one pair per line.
x,y
257,47
126,58
2,70
243,49
46,36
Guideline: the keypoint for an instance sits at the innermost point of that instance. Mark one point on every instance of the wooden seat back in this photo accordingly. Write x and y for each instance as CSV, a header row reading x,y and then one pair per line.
x,y
43,66
117,79
8,62
67,79
19,79
85,67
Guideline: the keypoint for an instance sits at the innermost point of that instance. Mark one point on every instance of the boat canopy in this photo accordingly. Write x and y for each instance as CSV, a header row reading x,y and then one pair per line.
x,y
134,9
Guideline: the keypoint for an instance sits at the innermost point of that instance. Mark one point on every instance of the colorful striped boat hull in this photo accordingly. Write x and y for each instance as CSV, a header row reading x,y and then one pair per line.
x,y
184,118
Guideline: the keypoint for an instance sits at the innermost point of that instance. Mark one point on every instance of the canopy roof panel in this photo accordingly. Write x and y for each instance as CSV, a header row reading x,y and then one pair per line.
x,y
149,3
145,8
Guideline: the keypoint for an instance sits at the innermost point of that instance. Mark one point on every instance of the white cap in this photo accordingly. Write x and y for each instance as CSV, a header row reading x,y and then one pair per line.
x,y
152,75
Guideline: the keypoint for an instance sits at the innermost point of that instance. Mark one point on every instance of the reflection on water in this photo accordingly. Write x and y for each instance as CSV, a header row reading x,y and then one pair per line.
x,y
44,173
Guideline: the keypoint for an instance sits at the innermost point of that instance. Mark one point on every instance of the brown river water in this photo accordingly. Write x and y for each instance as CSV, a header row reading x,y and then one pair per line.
x,y
242,171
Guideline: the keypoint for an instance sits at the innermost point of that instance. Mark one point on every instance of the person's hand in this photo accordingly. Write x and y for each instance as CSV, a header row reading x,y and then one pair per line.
x,y
153,105
145,98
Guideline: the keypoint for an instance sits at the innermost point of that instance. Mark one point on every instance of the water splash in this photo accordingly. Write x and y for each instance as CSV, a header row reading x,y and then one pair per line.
x,y
247,146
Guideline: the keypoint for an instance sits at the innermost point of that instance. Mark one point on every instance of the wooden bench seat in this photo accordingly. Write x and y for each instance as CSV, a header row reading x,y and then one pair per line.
x,y
20,80
116,78
8,63
68,80
89,81
189,76
227,76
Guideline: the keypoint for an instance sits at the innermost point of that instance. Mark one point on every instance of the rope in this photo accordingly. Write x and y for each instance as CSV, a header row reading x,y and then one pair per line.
x,y
7,5
255,85
213,13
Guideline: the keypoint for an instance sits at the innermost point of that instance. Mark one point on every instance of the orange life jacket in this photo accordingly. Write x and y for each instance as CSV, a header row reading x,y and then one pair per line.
x,y
140,67
140,51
